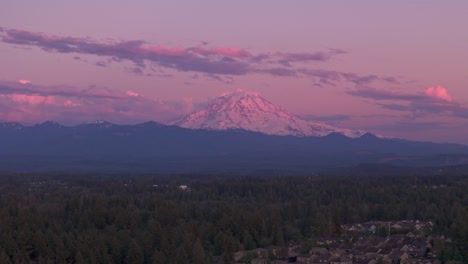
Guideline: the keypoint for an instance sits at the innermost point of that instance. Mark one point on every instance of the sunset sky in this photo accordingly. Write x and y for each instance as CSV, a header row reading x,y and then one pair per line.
x,y
395,68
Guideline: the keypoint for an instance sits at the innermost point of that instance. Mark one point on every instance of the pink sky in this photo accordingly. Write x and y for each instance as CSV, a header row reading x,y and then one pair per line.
x,y
396,68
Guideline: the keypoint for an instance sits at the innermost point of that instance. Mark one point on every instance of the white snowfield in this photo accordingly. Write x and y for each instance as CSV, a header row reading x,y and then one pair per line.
x,y
100,123
249,111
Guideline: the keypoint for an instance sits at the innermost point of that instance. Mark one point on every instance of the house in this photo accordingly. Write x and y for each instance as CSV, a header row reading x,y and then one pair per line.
x,y
238,255
373,250
259,261
386,250
395,256
405,248
340,260
347,247
184,187
373,255
275,250
339,252
320,259
306,258
413,234
261,252
404,256
319,251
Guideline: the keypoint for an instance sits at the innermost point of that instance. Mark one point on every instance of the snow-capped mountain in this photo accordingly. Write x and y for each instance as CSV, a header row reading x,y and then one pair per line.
x,y
249,111
97,123
11,125
49,124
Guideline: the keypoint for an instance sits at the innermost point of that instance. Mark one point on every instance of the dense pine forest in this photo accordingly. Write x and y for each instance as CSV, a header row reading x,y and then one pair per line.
x,y
192,218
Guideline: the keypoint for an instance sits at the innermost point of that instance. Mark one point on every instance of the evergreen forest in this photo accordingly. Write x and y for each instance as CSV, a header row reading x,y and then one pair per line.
x,y
65,218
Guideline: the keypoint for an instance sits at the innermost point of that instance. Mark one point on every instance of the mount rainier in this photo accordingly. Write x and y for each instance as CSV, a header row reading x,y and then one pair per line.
x,y
249,111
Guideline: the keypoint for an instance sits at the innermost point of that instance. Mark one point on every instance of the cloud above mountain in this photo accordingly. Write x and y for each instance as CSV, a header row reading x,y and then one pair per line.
x,y
433,100
438,92
228,61
65,91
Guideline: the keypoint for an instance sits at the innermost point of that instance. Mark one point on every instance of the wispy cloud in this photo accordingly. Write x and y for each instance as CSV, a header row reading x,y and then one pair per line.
x,y
30,89
279,72
31,103
287,58
379,94
131,93
197,59
412,128
328,118
32,99
101,64
232,61
24,81
433,100
337,119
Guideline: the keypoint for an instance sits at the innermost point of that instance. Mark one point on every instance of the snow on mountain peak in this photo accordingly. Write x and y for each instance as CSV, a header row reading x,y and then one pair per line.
x,y
99,123
11,125
247,110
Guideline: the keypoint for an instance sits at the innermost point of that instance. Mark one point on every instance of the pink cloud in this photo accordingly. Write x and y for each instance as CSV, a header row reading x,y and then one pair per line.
x,y
18,115
134,94
438,92
24,81
70,103
32,99
29,110
431,101
61,91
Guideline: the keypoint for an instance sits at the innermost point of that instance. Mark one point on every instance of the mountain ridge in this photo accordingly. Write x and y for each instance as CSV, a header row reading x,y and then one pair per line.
x,y
154,147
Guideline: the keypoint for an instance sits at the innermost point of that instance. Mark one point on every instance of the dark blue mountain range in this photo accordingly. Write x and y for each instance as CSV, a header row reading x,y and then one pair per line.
x,y
152,147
